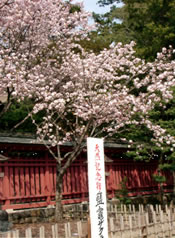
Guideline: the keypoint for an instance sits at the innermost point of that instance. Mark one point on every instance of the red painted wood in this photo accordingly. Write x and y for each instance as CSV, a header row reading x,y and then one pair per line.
x,y
32,180
72,179
47,184
22,185
143,178
77,179
1,183
106,177
27,182
17,188
119,176
82,182
54,178
136,182
137,178
65,183
85,180
129,177
37,180
69,180
113,180
149,178
11,182
51,180
42,181
6,192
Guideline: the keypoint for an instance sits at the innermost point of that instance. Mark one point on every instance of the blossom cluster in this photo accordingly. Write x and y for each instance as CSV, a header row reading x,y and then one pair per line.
x,y
29,29
82,93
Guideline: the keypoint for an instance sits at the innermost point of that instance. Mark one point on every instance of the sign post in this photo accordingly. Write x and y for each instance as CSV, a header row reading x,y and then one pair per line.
x,y
97,188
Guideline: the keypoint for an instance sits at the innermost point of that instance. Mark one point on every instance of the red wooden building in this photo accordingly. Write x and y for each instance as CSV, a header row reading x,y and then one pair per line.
x,y
27,177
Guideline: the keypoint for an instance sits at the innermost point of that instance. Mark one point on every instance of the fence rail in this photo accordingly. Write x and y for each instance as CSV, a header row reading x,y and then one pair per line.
x,y
124,222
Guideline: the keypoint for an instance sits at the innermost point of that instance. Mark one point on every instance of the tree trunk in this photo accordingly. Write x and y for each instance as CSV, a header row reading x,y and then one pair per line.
x,y
58,196
161,194
61,169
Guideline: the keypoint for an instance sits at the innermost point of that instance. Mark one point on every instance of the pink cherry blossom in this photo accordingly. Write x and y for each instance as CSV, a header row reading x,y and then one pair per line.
x,y
82,94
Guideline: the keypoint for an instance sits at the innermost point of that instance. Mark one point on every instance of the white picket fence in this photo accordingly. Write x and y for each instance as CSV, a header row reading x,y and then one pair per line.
x,y
42,233
124,222
150,222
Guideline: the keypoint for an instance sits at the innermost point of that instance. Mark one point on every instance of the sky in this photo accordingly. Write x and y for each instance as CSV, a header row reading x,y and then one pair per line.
x,y
92,6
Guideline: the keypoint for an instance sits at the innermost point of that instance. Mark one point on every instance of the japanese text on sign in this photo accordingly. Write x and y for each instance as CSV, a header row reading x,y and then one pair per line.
x,y
97,188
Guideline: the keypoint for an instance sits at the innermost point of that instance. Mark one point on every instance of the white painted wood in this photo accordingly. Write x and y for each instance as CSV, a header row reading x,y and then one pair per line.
x,y
42,232
28,232
97,188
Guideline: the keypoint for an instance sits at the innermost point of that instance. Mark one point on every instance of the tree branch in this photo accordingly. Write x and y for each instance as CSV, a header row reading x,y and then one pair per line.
x,y
77,149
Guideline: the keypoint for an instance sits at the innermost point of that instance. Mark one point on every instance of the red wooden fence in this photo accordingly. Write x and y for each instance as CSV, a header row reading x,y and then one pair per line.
x,y
29,180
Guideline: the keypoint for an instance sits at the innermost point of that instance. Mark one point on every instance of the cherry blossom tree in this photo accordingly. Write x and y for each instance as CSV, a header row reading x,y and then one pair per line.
x,y
29,30
81,94
96,95
35,34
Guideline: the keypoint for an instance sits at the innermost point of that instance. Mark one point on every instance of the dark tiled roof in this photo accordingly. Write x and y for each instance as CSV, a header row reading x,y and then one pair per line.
x,y
24,140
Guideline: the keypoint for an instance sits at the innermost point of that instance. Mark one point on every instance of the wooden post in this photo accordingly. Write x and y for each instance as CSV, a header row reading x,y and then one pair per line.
x,y
121,225
28,233
55,231
67,230
122,209
134,211
15,234
42,232
157,208
79,228
147,224
130,226
125,208
170,222
162,222
111,222
155,223
9,234
89,227
140,224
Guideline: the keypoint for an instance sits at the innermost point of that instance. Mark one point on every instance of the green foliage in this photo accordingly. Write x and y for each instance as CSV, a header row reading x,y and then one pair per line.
x,y
107,2
149,23
97,41
16,114
145,147
159,178
169,166
75,8
122,194
109,30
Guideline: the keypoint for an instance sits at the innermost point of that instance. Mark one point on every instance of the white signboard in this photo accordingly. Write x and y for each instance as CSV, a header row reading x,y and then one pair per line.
x,y
97,188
